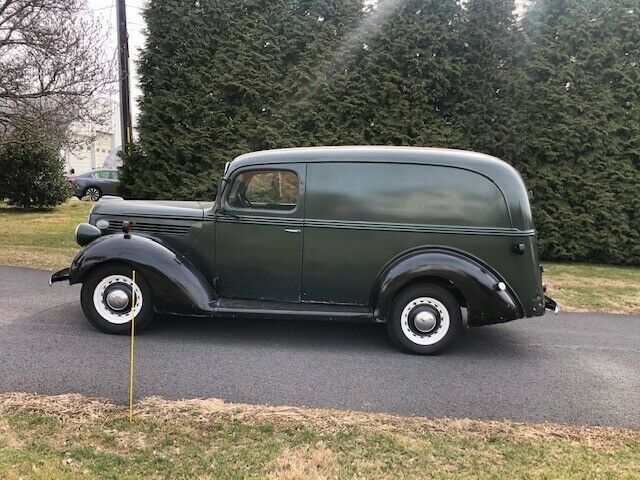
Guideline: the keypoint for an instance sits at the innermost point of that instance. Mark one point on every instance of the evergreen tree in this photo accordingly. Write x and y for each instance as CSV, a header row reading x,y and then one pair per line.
x,y
557,95
32,170
492,81
407,81
222,78
581,118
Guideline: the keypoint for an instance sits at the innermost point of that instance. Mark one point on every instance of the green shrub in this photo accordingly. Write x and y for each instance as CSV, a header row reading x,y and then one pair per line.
x,y
132,172
32,173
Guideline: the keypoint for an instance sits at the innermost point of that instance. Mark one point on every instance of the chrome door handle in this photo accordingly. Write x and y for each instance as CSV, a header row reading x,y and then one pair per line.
x,y
292,230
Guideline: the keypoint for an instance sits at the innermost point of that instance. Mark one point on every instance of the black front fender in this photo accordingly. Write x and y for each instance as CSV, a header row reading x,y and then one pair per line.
x,y
177,286
476,282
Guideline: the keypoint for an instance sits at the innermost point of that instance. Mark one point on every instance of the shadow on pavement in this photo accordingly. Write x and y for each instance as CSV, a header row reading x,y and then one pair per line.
x,y
493,341
333,337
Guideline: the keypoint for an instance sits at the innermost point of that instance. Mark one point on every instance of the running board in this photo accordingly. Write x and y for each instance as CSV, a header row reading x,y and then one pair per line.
x,y
225,307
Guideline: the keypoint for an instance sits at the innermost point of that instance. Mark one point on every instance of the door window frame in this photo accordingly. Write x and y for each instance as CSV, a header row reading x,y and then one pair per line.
x,y
298,169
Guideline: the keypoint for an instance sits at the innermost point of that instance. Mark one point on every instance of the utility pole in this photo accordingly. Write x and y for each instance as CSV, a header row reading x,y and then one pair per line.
x,y
123,72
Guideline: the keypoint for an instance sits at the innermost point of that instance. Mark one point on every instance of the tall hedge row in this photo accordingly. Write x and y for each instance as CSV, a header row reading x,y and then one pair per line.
x,y
555,91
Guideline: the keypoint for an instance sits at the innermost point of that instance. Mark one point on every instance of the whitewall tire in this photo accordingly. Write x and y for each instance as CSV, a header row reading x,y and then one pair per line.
x,y
114,297
424,319
108,295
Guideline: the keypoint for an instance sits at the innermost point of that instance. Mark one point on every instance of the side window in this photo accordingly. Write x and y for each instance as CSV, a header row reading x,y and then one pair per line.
x,y
265,189
101,174
113,174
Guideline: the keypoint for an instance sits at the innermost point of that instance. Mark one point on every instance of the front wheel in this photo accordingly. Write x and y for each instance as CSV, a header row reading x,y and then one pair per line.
x,y
424,319
107,298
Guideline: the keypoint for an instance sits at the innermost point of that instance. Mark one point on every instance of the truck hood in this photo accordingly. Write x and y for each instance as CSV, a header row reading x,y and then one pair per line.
x,y
151,208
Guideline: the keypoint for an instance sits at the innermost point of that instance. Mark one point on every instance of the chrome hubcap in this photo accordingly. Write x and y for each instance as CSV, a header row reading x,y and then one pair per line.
x,y
117,299
425,321
113,297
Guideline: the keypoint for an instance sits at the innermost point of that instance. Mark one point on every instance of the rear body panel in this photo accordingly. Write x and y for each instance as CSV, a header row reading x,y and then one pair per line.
x,y
328,256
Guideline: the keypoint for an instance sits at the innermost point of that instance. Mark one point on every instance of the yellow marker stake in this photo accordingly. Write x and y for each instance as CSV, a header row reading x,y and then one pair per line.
x,y
133,335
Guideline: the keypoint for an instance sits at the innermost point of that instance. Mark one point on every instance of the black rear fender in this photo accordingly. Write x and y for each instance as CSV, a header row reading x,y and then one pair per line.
x,y
464,276
177,286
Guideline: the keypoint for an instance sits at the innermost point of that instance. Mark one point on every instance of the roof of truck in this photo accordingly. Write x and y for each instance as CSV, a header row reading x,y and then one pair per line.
x,y
424,155
495,169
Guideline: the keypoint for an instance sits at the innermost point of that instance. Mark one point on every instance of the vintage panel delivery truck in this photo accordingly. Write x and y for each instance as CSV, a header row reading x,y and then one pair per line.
x,y
418,238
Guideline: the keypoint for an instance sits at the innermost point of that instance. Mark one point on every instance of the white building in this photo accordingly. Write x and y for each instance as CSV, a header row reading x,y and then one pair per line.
x,y
92,144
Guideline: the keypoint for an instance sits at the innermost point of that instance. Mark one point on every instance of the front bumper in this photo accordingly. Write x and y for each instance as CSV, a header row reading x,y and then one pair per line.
x,y
60,276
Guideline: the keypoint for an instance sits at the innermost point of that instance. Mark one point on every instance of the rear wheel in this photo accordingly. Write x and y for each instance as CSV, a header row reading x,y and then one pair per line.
x,y
94,193
107,299
424,319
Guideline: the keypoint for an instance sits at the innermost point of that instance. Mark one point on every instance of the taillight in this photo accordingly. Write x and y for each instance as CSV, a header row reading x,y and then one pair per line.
x,y
72,180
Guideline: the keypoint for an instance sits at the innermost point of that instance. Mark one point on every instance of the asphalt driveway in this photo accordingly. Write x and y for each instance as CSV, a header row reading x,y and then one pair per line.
x,y
568,368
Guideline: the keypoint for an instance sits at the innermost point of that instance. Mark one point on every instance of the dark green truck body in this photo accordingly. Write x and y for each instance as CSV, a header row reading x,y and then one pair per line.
x,y
364,223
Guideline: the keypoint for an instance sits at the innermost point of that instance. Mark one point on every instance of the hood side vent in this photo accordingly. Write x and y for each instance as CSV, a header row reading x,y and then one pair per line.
x,y
115,226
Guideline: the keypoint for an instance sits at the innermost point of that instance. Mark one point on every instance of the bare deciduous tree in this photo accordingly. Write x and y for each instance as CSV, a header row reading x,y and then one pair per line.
x,y
53,64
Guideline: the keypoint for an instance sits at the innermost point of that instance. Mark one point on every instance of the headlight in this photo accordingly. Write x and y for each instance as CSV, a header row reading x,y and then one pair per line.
x,y
86,233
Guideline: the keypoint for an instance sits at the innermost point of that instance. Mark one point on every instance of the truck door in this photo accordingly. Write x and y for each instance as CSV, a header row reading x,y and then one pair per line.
x,y
259,234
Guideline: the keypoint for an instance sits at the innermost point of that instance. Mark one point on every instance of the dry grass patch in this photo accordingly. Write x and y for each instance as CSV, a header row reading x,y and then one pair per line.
x,y
305,462
330,420
70,435
37,257
8,436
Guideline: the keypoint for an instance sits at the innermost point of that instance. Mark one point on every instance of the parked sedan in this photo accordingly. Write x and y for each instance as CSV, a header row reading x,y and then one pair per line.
x,y
95,183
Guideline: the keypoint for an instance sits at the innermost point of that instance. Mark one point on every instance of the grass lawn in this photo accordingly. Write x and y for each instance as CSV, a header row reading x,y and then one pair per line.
x,y
45,240
40,239
594,288
74,437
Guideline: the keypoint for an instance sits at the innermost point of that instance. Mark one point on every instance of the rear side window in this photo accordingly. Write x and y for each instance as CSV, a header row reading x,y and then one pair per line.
x,y
403,193
101,174
264,190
